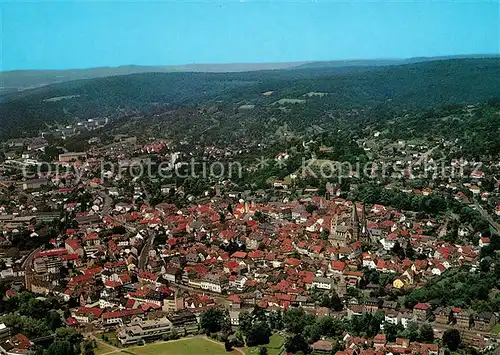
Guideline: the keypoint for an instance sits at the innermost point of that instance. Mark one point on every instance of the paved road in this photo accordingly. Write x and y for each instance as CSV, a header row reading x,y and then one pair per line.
x,y
219,299
146,193
487,216
107,204
107,209
27,265
29,258
45,338
126,225
427,153
143,257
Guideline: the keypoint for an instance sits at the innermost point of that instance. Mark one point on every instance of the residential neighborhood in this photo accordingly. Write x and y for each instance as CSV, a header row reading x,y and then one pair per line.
x,y
141,271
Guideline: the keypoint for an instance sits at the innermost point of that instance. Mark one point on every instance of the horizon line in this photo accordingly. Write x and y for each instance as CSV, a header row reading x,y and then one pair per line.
x,y
485,55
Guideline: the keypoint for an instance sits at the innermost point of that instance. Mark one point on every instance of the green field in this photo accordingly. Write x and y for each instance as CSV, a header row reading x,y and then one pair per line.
x,y
111,339
186,346
102,348
496,329
273,348
289,101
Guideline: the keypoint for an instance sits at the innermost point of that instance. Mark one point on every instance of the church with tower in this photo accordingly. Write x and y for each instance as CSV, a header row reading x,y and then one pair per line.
x,y
344,231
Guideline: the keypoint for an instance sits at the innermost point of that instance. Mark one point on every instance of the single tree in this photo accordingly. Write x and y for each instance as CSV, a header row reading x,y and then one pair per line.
x,y
426,333
451,339
245,321
258,334
227,345
295,344
411,331
212,320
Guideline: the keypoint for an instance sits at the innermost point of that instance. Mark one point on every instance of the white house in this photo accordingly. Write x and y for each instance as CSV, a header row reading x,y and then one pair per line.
x,y
323,283
389,241
214,283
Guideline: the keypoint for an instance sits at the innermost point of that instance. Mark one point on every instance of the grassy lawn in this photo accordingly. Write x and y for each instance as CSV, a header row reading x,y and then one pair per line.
x,y
102,348
111,339
273,348
496,329
187,346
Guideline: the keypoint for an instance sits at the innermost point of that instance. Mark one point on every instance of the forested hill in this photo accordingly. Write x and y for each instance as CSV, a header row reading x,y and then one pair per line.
x,y
15,80
385,62
25,79
424,84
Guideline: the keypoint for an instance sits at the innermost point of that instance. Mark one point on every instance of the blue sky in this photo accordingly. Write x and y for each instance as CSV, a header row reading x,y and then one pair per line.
x,y
77,34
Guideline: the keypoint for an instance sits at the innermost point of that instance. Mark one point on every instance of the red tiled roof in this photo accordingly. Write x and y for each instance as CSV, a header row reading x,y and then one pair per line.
x,y
148,305
239,255
422,306
96,312
112,284
22,342
147,275
73,244
231,265
52,252
257,254
353,273
338,265
234,298
121,314
91,236
69,257
80,279
293,262
130,303
92,271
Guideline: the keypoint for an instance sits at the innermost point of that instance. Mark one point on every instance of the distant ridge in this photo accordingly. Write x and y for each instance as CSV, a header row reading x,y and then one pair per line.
x,y
28,79
412,86
386,62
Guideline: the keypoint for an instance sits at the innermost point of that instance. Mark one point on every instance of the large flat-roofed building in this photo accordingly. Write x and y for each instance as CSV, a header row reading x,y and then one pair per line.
x,y
68,157
184,320
35,184
145,330
4,332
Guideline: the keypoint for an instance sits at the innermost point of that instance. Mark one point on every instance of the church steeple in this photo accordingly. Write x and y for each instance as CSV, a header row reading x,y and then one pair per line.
x,y
333,225
363,223
355,222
